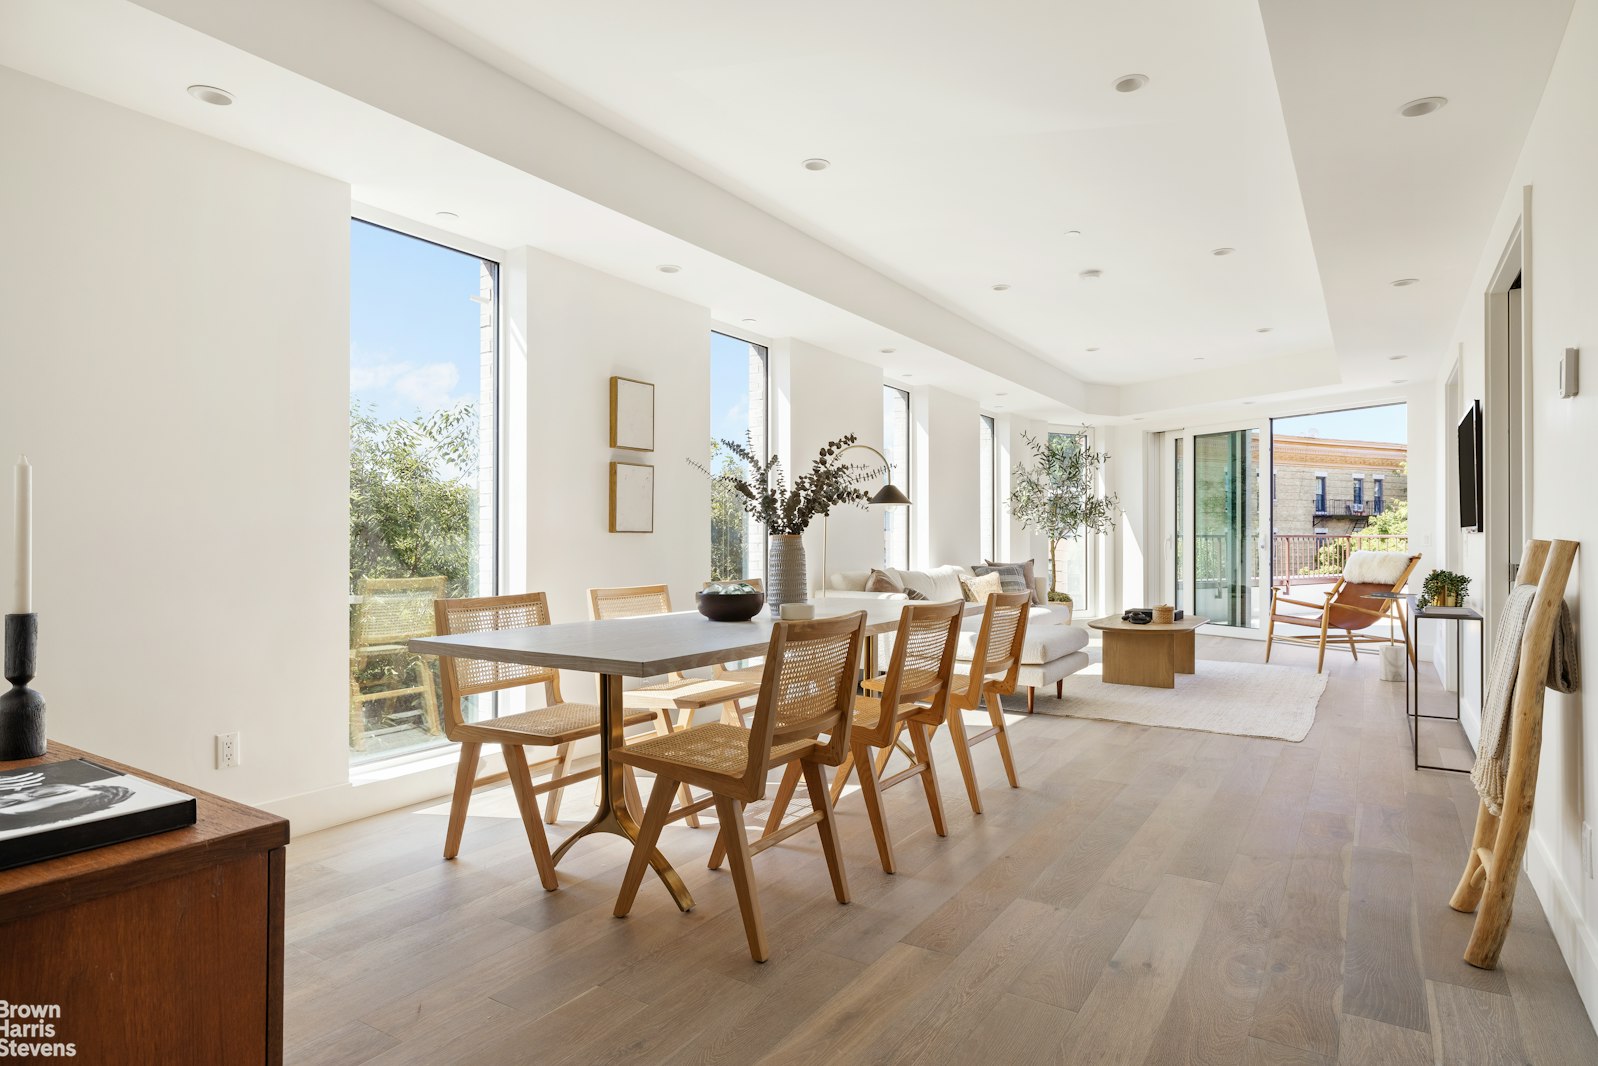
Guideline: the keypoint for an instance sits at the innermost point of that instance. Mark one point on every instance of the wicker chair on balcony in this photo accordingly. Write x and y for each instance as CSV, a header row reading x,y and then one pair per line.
x,y
389,611
1350,607
807,691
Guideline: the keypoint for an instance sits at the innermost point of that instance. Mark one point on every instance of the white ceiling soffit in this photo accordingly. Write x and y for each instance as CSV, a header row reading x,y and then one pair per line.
x,y
966,140
374,56
1389,197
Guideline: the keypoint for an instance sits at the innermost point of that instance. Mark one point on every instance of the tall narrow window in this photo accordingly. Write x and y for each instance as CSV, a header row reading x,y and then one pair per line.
x,y
1071,558
737,414
424,360
988,488
1359,492
896,446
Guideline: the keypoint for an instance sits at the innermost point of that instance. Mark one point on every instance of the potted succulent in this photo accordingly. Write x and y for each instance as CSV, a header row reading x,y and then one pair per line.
x,y
786,510
1444,588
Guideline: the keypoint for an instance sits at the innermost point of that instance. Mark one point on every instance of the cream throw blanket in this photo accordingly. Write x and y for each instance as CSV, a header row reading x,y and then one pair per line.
x,y
1491,772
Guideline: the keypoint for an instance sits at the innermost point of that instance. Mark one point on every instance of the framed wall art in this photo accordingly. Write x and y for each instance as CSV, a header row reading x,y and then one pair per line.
x,y
632,415
632,498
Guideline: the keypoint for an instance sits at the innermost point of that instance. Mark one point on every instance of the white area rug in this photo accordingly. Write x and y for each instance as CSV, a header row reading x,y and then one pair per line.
x,y
1245,699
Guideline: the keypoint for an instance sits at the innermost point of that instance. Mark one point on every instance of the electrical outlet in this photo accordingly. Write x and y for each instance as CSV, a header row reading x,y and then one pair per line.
x,y
1586,849
228,753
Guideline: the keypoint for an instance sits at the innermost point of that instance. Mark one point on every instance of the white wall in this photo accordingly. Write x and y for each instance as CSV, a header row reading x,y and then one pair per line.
x,y
948,518
1558,163
174,348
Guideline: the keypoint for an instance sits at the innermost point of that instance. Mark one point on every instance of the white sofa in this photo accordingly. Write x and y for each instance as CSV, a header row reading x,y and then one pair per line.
x,y
1053,649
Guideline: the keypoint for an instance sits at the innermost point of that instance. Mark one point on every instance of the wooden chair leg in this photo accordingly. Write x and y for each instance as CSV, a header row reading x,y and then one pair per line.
x,y
629,793
779,804
929,776
685,795
1352,650
648,835
1031,699
996,712
465,779
841,778
816,783
521,783
1321,662
1059,689
1270,629
563,762
886,752
865,770
730,813
962,755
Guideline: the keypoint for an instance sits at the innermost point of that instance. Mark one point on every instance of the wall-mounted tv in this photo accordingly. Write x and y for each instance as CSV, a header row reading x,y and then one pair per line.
x,y
1469,452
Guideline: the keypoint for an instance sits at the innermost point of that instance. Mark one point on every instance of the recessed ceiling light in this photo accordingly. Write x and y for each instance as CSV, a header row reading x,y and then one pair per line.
x,y
445,215
1137,418
1091,275
1396,358
816,164
1198,358
1001,287
1424,106
1073,233
747,321
1092,349
1404,283
210,94
1222,251
907,375
1248,403
1263,329
1001,394
887,351
1130,83
668,268
998,407
1399,381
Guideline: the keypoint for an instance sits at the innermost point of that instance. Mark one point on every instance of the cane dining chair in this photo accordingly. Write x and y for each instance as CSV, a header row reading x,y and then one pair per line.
x,y
806,692
556,725
674,700
913,698
979,684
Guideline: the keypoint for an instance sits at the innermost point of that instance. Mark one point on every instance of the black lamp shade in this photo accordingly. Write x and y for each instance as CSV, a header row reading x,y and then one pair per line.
x,y
889,494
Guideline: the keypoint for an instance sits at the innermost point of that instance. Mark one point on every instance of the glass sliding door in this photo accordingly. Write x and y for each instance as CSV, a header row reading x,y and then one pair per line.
x,y
1226,527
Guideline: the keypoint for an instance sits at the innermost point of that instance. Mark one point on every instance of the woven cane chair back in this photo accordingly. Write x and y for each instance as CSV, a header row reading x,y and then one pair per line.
x,y
392,610
632,601
923,655
998,650
808,688
468,677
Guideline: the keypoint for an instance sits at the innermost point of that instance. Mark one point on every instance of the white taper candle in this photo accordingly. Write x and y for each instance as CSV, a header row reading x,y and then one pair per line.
x,y
24,600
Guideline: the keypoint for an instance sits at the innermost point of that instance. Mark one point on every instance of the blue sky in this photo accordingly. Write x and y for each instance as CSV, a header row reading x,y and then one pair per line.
x,y
1388,424
729,388
413,323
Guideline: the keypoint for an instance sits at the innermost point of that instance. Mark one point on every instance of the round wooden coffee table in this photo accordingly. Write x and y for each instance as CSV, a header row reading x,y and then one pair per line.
x,y
1150,655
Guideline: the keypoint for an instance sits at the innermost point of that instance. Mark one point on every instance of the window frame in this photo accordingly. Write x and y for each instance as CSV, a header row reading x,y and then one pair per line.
x,y
989,534
755,542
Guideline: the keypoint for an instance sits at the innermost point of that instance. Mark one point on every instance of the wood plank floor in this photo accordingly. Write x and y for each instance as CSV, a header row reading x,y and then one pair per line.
x,y
1147,896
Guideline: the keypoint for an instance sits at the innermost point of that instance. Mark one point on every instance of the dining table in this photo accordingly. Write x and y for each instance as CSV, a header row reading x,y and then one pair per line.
x,y
645,646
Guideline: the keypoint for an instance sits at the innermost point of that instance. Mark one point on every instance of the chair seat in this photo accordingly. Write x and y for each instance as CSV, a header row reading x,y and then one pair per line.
x,y
1301,620
744,673
713,748
691,693
556,724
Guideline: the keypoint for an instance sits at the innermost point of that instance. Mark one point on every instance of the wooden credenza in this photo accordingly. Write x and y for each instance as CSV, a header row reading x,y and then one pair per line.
x,y
165,949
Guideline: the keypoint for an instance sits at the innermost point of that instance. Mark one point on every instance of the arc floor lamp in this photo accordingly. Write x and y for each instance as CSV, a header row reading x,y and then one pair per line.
x,y
889,495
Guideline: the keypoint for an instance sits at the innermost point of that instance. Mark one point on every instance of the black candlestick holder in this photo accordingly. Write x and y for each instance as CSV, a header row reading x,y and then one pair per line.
x,y
21,708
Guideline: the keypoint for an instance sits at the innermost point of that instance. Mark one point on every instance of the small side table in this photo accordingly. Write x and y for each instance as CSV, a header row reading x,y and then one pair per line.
x,y
1457,615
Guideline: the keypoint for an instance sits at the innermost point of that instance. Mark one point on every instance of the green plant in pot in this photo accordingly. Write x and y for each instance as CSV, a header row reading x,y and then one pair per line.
x,y
1444,588
1058,495
785,508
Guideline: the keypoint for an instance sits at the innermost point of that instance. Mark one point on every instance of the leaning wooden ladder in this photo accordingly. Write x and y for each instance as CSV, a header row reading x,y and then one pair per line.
x,y
1493,867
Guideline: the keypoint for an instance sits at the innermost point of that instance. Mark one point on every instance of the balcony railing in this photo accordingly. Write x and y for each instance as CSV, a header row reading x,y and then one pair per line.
x,y
1326,507
1304,558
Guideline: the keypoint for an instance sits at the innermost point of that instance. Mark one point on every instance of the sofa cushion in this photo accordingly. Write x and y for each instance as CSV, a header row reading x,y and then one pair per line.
x,y
940,584
978,588
1027,575
1043,644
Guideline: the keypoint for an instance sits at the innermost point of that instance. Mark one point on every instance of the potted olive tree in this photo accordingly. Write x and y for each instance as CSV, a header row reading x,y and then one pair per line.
x,y
1058,496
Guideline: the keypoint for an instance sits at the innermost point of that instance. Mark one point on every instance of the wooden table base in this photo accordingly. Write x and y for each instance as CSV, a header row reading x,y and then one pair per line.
x,y
613,816
1151,659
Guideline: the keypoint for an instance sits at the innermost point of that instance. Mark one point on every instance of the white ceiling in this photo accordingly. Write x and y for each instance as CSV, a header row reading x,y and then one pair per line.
x,y
966,139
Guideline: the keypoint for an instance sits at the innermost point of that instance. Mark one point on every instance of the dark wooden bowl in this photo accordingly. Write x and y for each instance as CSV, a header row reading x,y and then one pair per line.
x,y
730,607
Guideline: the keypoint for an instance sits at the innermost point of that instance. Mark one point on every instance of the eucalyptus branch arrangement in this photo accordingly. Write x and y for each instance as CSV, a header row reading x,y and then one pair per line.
x,y
764,492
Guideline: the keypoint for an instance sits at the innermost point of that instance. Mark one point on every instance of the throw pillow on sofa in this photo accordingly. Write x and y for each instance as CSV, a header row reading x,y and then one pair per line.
x,y
880,582
1011,577
1028,574
978,588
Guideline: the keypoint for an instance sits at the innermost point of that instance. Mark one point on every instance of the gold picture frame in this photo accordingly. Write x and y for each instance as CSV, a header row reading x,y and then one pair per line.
x,y
632,414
